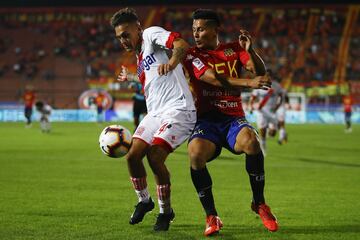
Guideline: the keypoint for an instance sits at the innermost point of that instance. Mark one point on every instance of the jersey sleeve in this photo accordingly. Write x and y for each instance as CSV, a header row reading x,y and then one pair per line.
x,y
195,65
161,37
242,54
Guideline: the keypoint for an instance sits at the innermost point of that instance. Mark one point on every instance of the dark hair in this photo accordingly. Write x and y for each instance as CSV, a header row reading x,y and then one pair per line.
x,y
207,14
39,104
125,15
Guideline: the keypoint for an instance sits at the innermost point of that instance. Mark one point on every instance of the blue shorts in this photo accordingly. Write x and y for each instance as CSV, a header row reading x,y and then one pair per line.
x,y
347,116
219,129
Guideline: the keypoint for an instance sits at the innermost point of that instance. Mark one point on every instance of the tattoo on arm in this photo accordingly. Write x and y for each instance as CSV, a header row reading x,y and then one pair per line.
x,y
178,53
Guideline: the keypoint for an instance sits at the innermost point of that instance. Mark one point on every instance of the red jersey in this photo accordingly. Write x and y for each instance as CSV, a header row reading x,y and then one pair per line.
x,y
99,100
347,103
227,59
29,99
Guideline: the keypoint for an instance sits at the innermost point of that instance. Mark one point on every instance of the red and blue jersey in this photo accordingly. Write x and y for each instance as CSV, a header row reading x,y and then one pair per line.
x,y
228,59
347,101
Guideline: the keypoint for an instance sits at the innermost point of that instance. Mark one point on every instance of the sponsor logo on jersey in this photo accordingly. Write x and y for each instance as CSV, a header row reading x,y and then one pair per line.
x,y
198,132
198,63
146,63
225,104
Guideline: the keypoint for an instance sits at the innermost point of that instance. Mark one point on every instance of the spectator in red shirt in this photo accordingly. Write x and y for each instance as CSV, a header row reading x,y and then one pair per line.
x,y
347,102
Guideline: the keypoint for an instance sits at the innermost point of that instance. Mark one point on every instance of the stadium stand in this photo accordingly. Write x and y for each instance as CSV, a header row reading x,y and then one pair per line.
x,y
63,51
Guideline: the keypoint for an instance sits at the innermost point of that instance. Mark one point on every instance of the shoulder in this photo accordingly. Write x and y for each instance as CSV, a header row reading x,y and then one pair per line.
x,y
153,29
234,45
191,54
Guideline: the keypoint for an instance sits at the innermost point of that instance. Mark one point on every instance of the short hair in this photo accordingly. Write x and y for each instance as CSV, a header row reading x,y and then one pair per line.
x,y
207,14
125,15
39,104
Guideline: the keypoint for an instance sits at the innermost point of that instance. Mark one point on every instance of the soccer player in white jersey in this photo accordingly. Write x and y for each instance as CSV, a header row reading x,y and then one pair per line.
x,y
171,112
268,103
45,111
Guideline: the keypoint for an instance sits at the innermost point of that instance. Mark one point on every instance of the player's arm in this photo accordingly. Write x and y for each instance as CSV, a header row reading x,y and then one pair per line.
x,y
220,80
178,54
255,64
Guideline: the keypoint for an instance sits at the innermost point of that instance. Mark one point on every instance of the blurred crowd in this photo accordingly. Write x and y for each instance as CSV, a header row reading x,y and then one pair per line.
x,y
294,42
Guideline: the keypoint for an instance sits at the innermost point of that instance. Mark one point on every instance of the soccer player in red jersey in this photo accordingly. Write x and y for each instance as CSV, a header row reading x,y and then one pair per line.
x,y
29,99
215,70
347,101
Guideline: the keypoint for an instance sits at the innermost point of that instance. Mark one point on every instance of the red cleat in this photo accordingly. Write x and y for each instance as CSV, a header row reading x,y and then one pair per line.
x,y
269,220
213,225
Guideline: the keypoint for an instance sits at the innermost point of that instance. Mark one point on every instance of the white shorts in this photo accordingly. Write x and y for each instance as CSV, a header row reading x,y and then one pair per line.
x,y
266,119
280,113
169,129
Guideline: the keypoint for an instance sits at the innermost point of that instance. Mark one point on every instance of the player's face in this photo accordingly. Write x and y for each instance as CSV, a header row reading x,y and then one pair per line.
x,y
205,35
128,34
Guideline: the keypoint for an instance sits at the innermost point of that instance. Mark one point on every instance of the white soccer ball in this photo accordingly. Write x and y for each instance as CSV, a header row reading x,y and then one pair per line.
x,y
115,141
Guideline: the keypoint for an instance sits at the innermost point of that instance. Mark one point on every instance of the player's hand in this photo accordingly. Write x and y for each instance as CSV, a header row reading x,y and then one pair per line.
x,y
245,40
123,76
164,69
260,82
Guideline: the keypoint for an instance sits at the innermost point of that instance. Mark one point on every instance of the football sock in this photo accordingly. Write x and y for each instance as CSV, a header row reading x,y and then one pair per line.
x,y
282,134
203,184
255,169
140,186
163,194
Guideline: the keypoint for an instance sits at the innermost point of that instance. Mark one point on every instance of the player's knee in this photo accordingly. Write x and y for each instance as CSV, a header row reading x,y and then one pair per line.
x,y
197,158
248,143
156,157
272,132
133,156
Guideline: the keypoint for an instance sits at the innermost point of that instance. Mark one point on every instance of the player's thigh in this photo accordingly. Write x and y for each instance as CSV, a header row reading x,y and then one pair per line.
x,y
273,121
200,151
247,141
156,155
261,120
137,150
280,114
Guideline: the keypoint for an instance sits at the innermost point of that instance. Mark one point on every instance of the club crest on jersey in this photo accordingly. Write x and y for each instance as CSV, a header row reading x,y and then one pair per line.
x,y
228,52
198,63
146,63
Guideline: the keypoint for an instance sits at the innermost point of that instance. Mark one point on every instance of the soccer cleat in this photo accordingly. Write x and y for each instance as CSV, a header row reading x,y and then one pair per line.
x,y
213,225
163,221
269,220
140,210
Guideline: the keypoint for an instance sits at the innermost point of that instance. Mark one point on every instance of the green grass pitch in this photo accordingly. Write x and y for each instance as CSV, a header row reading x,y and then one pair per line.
x,y
60,186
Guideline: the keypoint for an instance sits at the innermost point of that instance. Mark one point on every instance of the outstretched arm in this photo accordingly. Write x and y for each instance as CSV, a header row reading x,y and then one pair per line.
x,y
259,82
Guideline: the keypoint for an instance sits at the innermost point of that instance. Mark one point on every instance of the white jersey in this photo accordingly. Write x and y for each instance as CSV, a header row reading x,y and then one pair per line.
x,y
46,111
165,92
268,99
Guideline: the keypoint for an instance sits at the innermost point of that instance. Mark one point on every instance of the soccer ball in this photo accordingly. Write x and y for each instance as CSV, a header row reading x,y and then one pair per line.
x,y
115,141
